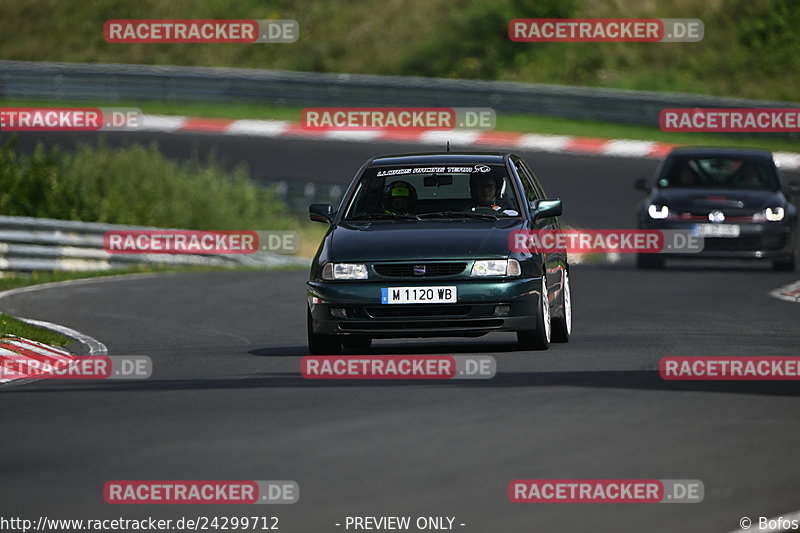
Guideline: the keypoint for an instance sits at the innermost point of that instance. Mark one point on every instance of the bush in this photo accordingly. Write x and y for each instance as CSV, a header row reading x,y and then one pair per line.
x,y
134,185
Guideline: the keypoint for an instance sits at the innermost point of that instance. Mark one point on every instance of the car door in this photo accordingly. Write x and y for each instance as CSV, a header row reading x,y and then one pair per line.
x,y
556,261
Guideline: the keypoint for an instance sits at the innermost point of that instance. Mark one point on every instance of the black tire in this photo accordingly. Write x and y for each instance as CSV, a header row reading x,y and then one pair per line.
x,y
649,261
357,343
561,326
784,265
539,337
319,344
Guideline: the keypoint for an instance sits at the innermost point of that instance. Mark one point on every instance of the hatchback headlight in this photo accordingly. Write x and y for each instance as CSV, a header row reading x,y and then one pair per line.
x,y
658,211
774,214
496,267
771,214
337,271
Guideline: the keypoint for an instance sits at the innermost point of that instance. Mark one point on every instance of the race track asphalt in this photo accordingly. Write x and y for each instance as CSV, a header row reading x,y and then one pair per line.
x,y
226,401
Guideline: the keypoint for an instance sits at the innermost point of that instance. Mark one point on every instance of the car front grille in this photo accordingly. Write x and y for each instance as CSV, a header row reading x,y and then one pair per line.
x,y
418,270
405,325
411,311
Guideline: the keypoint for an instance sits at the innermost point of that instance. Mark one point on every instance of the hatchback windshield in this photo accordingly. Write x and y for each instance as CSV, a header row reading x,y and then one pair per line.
x,y
719,172
444,191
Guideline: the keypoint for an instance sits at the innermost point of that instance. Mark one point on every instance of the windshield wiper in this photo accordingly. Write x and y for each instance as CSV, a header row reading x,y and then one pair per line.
x,y
383,216
457,214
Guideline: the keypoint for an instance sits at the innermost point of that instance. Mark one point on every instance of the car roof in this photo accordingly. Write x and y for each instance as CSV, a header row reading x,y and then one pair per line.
x,y
708,151
428,158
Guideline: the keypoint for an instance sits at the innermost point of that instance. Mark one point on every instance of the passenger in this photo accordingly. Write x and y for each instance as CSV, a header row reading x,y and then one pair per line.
x,y
399,198
685,176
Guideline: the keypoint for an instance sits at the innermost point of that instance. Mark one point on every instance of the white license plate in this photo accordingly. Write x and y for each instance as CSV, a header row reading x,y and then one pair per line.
x,y
418,295
716,230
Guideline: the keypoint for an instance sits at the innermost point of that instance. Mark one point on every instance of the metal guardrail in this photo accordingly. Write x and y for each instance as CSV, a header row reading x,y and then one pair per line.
x,y
29,244
134,83
298,195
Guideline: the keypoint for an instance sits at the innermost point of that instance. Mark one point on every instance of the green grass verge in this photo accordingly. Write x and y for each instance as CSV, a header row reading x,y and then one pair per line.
x,y
505,122
749,48
10,325
559,126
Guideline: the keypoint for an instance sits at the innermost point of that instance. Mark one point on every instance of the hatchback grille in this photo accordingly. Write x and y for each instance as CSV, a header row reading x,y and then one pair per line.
x,y
419,270
745,243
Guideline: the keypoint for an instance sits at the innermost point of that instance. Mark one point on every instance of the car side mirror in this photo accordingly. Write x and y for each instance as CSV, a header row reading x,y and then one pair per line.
x,y
642,184
794,188
321,213
548,207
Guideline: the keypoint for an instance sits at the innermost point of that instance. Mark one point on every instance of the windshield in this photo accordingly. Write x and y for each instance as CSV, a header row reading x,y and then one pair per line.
x,y
445,191
719,172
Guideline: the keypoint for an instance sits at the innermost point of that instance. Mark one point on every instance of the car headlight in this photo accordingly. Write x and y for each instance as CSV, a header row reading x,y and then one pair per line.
x,y
658,211
771,214
337,271
496,267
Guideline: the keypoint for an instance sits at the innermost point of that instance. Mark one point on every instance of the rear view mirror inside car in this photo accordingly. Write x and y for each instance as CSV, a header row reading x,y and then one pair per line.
x,y
437,180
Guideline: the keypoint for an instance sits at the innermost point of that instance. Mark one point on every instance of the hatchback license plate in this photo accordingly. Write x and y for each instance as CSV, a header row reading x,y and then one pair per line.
x,y
716,230
418,295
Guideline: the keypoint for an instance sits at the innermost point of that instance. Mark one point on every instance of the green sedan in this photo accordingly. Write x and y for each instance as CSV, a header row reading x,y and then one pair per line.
x,y
420,247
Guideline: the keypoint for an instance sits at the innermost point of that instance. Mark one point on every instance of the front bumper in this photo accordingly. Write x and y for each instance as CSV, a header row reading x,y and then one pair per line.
x,y
755,241
475,313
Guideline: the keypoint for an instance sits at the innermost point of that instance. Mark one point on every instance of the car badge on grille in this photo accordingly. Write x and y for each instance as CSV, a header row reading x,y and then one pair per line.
x,y
419,270
716,216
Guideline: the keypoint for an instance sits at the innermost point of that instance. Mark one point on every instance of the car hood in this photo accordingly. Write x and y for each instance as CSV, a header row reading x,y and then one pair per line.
x,y
725,200
426,240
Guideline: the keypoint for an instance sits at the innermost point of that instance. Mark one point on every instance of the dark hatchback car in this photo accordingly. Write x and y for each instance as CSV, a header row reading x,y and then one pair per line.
x,y
419,247
735,199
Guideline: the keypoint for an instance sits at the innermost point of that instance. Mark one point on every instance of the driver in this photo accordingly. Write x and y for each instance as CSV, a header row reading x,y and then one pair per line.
x,y
484,190
399,198
686,177
750,176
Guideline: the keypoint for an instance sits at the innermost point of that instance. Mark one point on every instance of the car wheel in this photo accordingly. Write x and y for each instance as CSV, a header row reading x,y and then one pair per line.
x,y
357,342
319,344
649,261
562,325
784,265
539,337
